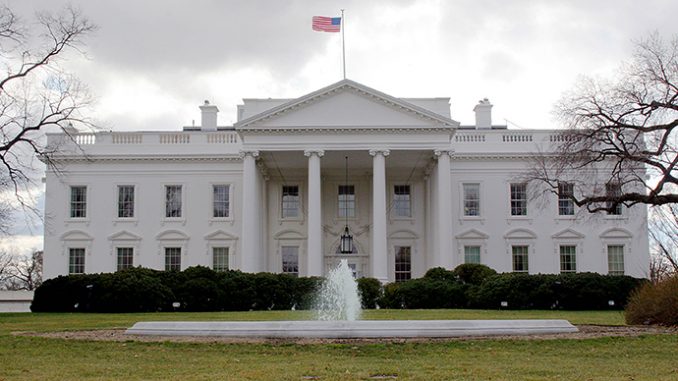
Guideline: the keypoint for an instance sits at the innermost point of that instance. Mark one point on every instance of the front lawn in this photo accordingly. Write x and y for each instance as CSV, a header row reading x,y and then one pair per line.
x,y
31,358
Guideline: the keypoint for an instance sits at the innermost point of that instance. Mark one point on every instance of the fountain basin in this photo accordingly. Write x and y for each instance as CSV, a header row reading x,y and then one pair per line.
x,y
337,329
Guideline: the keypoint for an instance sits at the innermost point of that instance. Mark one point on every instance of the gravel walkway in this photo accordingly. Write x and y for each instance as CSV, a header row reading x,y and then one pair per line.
x,y
585,332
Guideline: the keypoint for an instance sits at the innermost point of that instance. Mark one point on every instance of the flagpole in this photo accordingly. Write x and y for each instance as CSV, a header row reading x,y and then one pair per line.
x,y
343,46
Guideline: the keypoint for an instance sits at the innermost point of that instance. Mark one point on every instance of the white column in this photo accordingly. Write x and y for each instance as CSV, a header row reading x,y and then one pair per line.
x,y
314,252
250,214
379,257
444,257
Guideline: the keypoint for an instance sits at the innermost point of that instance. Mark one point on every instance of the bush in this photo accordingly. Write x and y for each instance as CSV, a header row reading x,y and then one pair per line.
x,y
654,304
442,274
472,273
425,293
371,291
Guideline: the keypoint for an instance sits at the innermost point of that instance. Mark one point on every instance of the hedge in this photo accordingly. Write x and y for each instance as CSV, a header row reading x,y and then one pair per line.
x,y
202,289
195,289
478,286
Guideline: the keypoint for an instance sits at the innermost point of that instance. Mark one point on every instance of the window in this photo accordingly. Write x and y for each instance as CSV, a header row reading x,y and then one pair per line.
x,y
76,261
519,199
613,190
220,258
565,202
173,201
568,258
403,263
125,201
125,258
290,201
346,201
471,254
520,261
79,202
172,259
402,204
220,201
615,259
290,260
472,199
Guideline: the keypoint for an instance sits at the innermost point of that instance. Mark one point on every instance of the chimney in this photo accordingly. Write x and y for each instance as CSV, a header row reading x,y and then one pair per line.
x,y
483,114
209,117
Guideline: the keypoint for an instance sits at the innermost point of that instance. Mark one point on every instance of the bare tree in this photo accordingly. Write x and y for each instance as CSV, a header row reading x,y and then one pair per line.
x,y
664,235
36,94
5,269
620,143
26,272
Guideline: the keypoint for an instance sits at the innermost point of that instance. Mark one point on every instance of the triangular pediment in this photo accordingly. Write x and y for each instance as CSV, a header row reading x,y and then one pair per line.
x,y
346,104
76,235
124,235
220,235
568,234
472,234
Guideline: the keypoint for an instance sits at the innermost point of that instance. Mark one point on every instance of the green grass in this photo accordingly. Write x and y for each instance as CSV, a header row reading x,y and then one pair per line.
x,y
30,358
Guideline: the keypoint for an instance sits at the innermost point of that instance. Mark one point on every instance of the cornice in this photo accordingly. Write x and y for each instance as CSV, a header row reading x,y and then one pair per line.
x,y
97,158
341,129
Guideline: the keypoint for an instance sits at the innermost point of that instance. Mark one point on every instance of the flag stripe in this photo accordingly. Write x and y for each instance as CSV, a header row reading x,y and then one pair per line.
x,y
326,24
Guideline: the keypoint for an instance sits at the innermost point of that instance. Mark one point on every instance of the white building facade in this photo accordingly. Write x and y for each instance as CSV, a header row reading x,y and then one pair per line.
x,y
271,193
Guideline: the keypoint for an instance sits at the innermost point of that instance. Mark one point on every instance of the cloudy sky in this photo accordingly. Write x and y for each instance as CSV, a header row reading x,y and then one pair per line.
x,y
151,63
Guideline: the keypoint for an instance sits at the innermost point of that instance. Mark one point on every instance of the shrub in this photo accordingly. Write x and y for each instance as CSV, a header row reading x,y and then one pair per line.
x,y
654,303
472,273
442,274
429,293
371,291
131,290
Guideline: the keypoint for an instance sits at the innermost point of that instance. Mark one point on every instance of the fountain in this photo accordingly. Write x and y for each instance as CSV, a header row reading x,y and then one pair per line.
x,y
338,311
338,298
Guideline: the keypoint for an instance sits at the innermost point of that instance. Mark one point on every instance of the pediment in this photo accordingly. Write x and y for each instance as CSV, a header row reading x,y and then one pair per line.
x,y
289,234
616,233
568,234
472,234
220,235
76,235
520,233
124,235
404,234
175,235
346,104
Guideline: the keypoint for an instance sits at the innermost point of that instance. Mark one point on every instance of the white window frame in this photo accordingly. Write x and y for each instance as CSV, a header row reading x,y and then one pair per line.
x,y
355,202
300,215
282,247
462,198
88,201
625,249
84,260
181,254
577,243
529,255
394,215
229,256
395,254
230,202
183,202
558,200
117,254
480,253
510,206
560,257
134,204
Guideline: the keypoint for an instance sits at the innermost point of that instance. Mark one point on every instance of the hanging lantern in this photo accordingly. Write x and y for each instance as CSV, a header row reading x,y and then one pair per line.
x,y
346,242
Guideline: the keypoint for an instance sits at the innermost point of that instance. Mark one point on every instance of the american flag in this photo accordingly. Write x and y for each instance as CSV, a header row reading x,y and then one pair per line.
x,y
326,24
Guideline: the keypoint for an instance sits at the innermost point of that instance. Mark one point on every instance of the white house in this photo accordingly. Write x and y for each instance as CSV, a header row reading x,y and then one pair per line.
x,y
270,193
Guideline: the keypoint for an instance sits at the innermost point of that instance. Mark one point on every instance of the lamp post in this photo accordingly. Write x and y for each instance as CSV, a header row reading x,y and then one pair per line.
x,y
346,240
